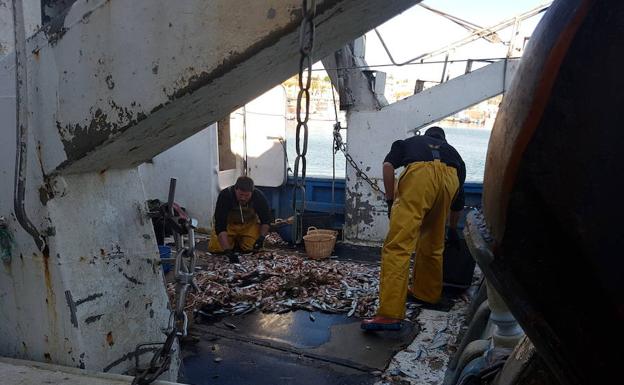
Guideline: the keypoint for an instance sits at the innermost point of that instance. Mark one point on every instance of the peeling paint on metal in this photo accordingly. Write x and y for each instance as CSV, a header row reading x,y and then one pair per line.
x,y
46,192
44,195
362,208
72,308
132,279
85,17
109,82
79,139
115,253
91,297
93,318
55,30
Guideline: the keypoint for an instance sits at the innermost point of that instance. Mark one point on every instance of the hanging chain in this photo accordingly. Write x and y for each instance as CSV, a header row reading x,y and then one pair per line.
x,y
306,44
178,321
184,278
341,146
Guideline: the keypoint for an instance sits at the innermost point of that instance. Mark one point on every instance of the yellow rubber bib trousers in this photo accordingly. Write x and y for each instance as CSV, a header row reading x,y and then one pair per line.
x,y
424,195
242,231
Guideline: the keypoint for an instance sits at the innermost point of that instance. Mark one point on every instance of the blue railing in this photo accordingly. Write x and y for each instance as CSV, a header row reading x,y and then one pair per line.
x,y
318,193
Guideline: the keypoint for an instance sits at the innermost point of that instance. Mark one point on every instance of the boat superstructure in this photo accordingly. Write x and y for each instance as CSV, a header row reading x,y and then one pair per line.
x,y
103,101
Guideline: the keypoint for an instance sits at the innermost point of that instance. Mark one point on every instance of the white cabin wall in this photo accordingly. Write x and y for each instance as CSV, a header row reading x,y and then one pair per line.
x,y
260,123
194,162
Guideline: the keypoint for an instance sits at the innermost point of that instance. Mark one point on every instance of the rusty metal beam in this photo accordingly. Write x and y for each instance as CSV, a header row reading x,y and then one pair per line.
x,y
116,82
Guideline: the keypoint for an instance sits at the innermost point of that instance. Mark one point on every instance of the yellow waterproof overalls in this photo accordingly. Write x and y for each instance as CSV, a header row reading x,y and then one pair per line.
x,y
417,223
243,229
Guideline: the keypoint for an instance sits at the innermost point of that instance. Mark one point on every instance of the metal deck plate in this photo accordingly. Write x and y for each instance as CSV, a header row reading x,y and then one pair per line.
x,y
331,349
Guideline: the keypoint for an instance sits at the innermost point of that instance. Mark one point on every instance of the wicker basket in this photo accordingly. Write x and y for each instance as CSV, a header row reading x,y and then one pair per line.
x,y
314,230
319,246
334,233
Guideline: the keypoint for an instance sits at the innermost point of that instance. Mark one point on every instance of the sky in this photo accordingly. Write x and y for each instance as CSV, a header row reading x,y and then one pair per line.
x,y
418,30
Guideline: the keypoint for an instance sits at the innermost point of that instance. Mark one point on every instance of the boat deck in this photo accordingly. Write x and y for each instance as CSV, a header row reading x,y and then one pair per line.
x,y
301,347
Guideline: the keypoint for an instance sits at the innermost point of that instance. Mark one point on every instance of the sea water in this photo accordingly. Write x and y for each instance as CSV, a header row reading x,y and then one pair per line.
x,y
471,143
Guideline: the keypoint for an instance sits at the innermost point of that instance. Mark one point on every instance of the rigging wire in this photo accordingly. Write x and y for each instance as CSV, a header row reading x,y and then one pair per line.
x,y
466,24
475,35
245,141
450,61
334,150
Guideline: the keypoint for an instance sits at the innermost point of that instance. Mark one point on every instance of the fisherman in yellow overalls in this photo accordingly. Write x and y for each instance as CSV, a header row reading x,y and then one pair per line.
x,y
429,187
241,219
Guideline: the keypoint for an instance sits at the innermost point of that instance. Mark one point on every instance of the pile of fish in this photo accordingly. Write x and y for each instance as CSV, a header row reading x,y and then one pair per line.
x,y
274,239
279,281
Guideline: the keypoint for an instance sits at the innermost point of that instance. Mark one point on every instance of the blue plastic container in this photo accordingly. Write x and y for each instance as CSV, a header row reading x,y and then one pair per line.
x,y
285,232
165,252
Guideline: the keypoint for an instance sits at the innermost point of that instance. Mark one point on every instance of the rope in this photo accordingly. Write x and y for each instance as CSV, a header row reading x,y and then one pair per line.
x,y
369,66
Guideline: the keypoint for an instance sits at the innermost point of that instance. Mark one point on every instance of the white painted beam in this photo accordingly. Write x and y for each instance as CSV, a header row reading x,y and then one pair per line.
x,y
446,99
371,133
117,82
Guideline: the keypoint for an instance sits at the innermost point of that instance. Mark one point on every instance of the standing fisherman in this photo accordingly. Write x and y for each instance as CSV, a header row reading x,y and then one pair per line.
x,y
430,186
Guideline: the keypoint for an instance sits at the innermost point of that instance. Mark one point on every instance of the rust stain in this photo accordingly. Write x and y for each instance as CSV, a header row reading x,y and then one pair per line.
x,y
50,297
102,175
109,339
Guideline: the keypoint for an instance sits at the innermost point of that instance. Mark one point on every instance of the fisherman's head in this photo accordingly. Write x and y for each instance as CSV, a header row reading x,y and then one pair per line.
x,y
243,188
436,132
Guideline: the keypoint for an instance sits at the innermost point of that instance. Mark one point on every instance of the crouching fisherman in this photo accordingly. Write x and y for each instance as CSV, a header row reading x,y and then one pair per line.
x,y
241,219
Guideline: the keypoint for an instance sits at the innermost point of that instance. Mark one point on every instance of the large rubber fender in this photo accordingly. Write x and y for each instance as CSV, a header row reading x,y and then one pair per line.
x,y
554,191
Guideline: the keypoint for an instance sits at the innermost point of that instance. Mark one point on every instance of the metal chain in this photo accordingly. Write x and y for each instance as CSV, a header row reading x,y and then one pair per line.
x,y
178,321
341,146
184,274
306,44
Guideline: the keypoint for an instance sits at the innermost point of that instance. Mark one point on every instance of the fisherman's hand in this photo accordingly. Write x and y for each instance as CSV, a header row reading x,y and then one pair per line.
x,y
452,238
390,202
232,256
259,243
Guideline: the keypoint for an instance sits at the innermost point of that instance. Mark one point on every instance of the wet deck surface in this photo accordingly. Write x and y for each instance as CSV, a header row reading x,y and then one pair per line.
x,y
292,348
247,363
